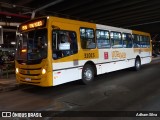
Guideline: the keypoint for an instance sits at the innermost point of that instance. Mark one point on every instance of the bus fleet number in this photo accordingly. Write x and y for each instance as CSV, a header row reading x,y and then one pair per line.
x,y
89,55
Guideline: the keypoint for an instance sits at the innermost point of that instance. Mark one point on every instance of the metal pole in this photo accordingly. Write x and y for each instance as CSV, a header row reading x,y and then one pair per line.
x,y
45,6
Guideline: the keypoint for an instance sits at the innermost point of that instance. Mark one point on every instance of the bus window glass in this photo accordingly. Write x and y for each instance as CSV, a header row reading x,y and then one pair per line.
x,y
127,40
89,33
147,41
103,40
136,41
144,41
87,38
32,45
21,51
116,39
64,43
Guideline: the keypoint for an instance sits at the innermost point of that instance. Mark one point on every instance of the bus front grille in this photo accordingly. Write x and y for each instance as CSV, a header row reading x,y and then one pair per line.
x,y
30,72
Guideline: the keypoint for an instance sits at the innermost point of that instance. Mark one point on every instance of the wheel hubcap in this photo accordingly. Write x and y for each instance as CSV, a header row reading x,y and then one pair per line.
x,y
88,74
137,64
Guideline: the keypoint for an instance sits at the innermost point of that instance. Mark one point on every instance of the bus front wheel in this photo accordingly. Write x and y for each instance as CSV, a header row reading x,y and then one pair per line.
x,y
87,74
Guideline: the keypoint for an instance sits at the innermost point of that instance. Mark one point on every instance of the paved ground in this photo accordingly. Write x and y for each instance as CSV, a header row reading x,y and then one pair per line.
x,y
124,90
8,84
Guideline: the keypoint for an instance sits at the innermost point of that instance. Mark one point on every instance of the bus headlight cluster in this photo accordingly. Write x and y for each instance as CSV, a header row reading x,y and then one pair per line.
x,y
17,70
43,71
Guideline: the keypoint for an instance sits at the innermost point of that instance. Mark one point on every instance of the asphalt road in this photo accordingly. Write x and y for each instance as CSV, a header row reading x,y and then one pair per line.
x,y
123,90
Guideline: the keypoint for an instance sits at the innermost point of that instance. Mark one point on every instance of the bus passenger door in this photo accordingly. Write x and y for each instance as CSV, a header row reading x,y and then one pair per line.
x,y
65,57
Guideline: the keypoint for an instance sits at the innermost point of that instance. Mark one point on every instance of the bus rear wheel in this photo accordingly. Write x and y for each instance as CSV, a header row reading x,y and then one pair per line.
x,y
87,74
137,66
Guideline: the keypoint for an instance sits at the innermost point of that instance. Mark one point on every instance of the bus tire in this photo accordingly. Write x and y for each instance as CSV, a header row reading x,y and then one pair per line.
x,y
87,74
137,65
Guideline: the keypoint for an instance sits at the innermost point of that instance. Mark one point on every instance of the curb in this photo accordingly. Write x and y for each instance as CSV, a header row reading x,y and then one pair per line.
x,y
156,58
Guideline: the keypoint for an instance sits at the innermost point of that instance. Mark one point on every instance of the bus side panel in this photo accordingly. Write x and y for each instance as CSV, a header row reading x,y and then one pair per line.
x,y
112,59
144,53
111,62
65,72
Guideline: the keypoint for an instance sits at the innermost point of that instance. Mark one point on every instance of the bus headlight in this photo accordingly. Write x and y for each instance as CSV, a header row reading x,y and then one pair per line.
x,y
43,71
17,70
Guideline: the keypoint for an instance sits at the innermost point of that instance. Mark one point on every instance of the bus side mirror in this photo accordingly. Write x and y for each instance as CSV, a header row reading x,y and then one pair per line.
x,y
64,46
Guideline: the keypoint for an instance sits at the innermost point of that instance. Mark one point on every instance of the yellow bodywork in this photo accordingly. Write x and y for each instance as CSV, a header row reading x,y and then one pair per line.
x,y
32,74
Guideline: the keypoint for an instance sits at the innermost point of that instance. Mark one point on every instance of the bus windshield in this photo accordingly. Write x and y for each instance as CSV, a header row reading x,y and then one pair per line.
x,y
32,45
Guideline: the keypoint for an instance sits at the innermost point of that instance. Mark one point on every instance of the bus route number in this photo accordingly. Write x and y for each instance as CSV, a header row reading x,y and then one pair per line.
x,y
89,55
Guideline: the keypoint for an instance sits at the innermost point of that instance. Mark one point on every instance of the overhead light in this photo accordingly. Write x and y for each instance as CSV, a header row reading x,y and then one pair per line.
x,y
14,6
13,43
8,17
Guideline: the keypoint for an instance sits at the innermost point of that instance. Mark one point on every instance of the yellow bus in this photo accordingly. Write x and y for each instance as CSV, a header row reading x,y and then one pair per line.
x,y
52,51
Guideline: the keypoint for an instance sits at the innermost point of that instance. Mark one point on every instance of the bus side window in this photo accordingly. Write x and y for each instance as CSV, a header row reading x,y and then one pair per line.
x,y
60,37
148,41
136,41
87,38
116,39
73,42
127,40
56,53
144,41
103,39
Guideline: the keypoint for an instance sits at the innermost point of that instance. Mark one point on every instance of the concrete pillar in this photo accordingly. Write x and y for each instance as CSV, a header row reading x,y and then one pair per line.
x,y
1,35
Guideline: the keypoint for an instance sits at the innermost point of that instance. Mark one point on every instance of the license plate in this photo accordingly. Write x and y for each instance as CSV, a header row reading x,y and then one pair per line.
x,y
28,79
